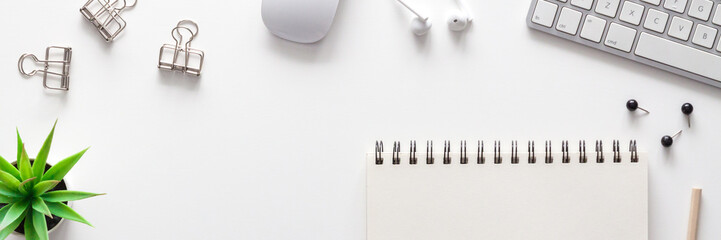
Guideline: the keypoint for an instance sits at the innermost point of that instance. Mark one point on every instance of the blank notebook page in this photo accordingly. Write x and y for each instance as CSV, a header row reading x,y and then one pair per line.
x,y
557,201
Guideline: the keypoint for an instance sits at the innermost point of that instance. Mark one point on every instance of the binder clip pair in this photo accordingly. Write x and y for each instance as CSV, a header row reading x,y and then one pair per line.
x,y
63,56
105,16
180,56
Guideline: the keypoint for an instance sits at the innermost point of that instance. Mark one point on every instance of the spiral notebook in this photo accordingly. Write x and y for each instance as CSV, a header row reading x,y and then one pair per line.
x,y
494,191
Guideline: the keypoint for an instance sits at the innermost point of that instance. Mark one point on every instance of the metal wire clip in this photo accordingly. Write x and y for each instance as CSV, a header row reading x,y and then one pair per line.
x,y
105,16
191,61
64,64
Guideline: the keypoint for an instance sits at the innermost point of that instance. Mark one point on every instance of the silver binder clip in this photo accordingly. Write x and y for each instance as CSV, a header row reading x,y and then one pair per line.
x,y
63,64
184,58
105,16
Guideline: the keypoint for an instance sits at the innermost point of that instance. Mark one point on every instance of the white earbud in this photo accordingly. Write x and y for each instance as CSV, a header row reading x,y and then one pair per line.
x,y
420,25
459,19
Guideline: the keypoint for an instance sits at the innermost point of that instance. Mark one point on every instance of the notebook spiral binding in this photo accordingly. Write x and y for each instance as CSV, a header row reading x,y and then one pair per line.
x,y
549,154
497,153
564,150
514,152
480,159
497,158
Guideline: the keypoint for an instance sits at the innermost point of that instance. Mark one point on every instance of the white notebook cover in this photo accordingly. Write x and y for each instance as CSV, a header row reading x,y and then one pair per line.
x,y
558,201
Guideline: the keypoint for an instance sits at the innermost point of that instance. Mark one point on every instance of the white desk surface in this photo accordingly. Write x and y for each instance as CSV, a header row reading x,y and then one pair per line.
x,y
270,142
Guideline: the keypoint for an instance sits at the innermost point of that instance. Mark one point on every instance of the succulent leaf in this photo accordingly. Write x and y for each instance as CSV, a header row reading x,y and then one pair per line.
x,y
23,191
58,171
20,145
66,196
4,233
6,199
5,166
44,186
9,192
63,211
4,210
24,166
30,233
17,210
9,180
26,185
40,206
42,157
41,227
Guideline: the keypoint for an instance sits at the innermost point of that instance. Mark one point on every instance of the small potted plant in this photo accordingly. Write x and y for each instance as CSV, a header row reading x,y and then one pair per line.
x,y
33,194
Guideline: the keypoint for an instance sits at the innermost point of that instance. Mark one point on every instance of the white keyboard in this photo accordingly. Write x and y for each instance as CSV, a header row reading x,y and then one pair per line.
x,y
679,36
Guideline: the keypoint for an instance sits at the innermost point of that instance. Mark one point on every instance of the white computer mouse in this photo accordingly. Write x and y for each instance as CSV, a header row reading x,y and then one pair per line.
x,y
303,21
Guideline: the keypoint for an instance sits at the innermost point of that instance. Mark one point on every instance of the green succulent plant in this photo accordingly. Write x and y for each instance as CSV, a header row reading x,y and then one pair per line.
x,y
27,191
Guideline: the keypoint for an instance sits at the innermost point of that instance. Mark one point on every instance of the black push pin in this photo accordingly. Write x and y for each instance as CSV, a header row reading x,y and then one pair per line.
x,y
667,140
632,105
687,109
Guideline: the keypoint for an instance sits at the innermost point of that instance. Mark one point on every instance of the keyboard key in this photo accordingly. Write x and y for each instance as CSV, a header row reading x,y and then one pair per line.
x,y
679,56
718,48
620,37
656,20
654,2
704,36
700,9
562,0
607,7
585,4
631,13
717,16
593,28
568,21
678,6
545,13
680,28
